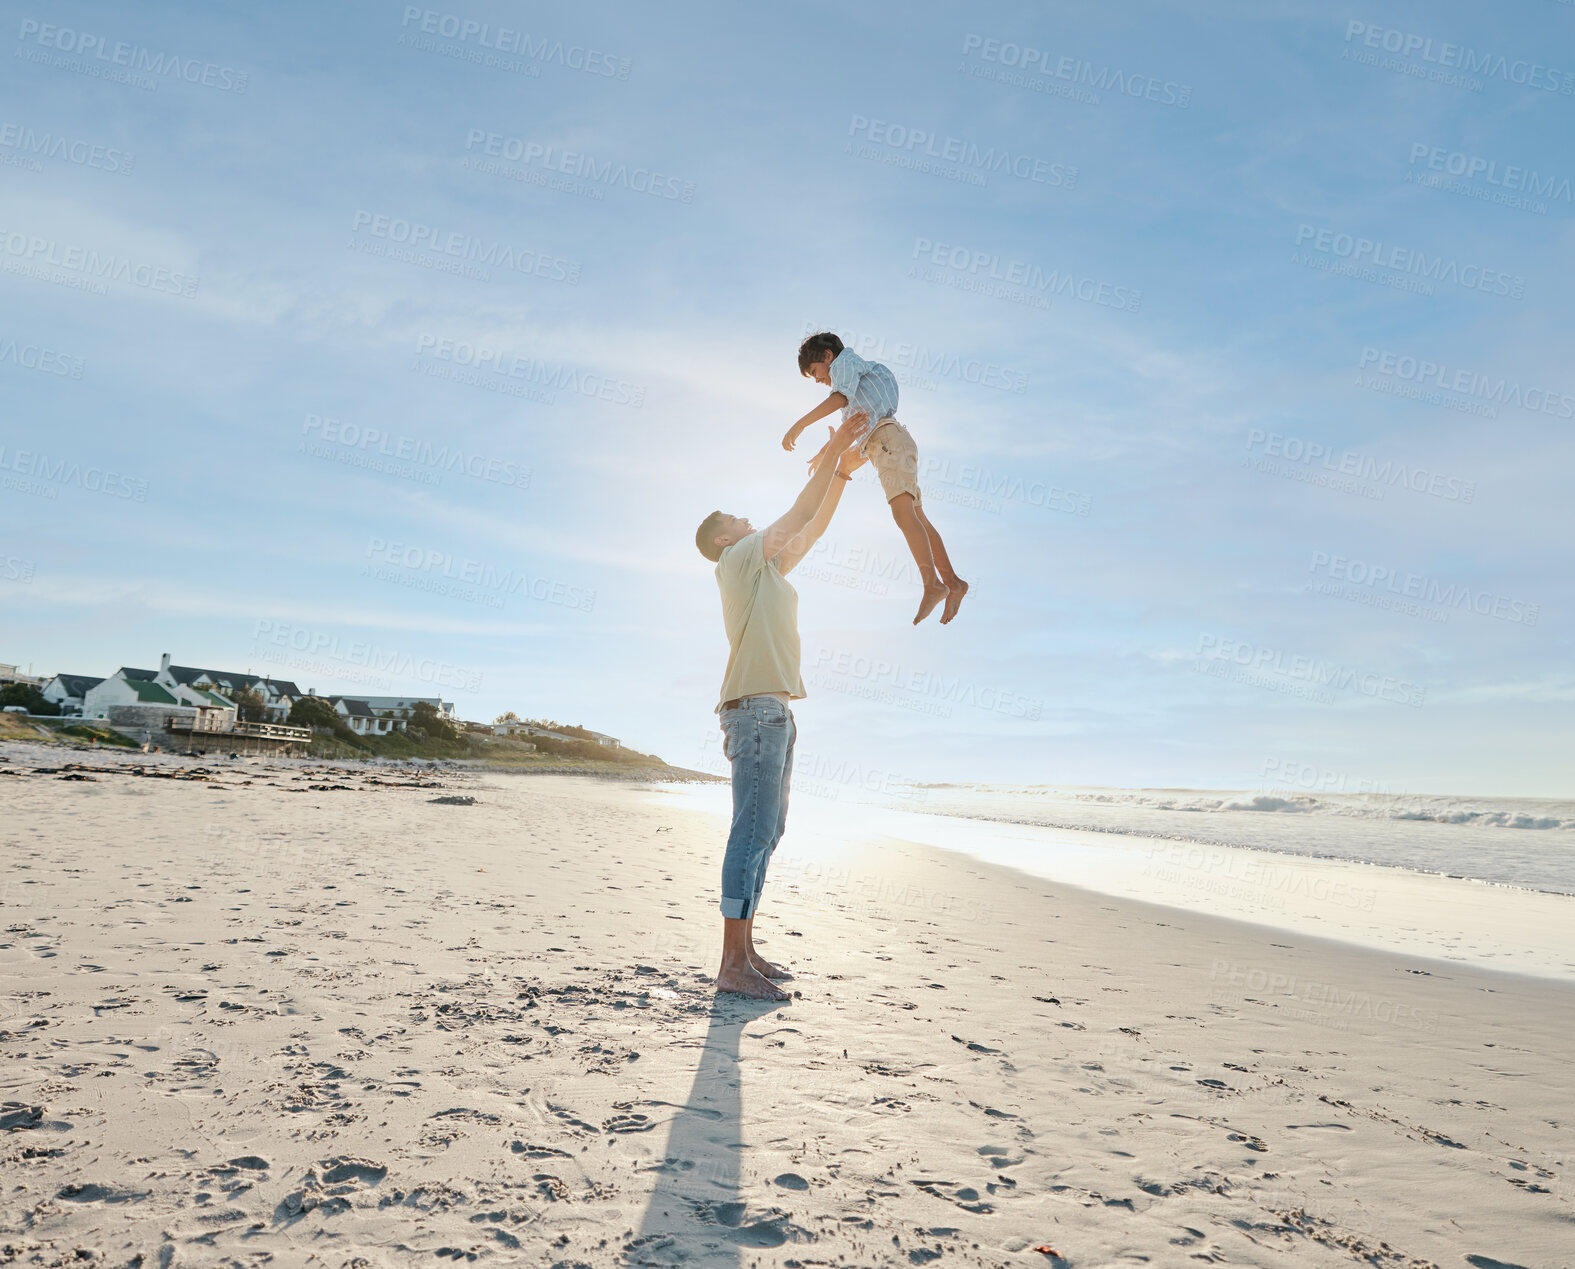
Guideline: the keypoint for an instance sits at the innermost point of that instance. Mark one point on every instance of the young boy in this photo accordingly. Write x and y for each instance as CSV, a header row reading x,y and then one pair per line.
x,y
859,385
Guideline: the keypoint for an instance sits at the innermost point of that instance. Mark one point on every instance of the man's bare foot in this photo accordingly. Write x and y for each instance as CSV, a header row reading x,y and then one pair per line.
x,y
955,590
933,594
747,981
762,966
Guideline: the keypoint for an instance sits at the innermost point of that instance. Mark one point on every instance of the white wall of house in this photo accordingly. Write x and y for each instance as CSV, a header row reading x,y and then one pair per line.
x,y
114,690
57,692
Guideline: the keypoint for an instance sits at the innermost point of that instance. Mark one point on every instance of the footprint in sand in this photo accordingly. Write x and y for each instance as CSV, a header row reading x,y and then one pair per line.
x,y
92,1192
338,1171
18,1115
964,1196
539,1152
998,1157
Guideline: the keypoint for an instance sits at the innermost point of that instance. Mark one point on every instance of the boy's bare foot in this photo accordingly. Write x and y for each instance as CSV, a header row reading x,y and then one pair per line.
x,y
747,981
762,966
955,590
933,594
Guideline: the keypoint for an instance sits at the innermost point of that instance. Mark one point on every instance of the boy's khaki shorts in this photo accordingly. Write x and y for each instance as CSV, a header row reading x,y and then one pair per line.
x,y
895,459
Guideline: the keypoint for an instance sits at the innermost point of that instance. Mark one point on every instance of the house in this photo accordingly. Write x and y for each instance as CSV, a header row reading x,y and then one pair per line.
x,y
67,691
127,690
401,708
278,694
214,713
390,713
13,674
531,729
358,716
133,698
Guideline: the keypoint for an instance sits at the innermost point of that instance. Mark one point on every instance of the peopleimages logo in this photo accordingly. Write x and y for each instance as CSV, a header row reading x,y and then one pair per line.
x,y
35,253
413,235
900,355
1510,177
54,145
1022,273
482,365
15,569
1409,261
892,677
134,57
1359,466
38,474
412,450
968,154
1420,586
1024,61
1470,383
1469,61
1217,655
580,166
1329,998
424,568
47,361
502,39
316,644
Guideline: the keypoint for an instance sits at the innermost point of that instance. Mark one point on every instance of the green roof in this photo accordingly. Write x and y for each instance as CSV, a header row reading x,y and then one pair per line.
x,y
213,697
150,693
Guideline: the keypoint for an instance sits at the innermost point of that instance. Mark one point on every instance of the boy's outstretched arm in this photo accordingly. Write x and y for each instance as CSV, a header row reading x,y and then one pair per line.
x,y
813,494
830,405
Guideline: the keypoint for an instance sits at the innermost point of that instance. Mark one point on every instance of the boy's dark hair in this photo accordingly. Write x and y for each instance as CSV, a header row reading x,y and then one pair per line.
x,y
816,347
705,536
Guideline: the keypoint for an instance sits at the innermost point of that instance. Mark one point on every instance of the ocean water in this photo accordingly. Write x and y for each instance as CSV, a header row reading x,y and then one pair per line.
x,y
1523,842
1483,881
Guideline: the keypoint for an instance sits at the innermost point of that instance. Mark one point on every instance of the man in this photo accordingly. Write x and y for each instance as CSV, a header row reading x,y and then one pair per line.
x,y
760,611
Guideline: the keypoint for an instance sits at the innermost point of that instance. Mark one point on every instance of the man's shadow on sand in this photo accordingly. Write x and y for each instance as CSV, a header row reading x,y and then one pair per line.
x,y
697,1212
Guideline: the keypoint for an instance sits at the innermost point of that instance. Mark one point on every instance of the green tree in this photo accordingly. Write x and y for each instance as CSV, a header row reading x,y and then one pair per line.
x,y
314,711
424,717
250,705
509,717
28,695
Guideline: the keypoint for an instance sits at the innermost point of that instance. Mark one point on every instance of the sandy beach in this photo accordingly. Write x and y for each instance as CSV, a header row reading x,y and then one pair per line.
x,y
273,1012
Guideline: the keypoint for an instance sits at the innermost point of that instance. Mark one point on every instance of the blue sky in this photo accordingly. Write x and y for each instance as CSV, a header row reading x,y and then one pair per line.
x,y
1235,346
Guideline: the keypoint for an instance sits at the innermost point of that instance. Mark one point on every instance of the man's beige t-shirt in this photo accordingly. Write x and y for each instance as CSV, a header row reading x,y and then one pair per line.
x,y
760,611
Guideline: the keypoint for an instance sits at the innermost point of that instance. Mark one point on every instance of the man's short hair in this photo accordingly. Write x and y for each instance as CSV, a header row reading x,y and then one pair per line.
x,y
816,347
705,536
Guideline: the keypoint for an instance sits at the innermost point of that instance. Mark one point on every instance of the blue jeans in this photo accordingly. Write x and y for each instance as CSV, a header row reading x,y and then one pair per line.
x,y
758,736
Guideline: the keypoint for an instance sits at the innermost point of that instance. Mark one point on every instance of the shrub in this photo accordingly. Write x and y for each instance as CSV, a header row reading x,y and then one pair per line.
x,y
103,735
28,696
425,718
314,711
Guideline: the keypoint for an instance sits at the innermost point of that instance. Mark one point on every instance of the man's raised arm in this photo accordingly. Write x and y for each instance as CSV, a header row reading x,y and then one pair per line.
x,y
803,542
813,494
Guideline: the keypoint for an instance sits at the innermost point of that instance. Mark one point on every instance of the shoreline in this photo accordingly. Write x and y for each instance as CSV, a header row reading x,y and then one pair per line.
x,y
1194,840
1379,906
